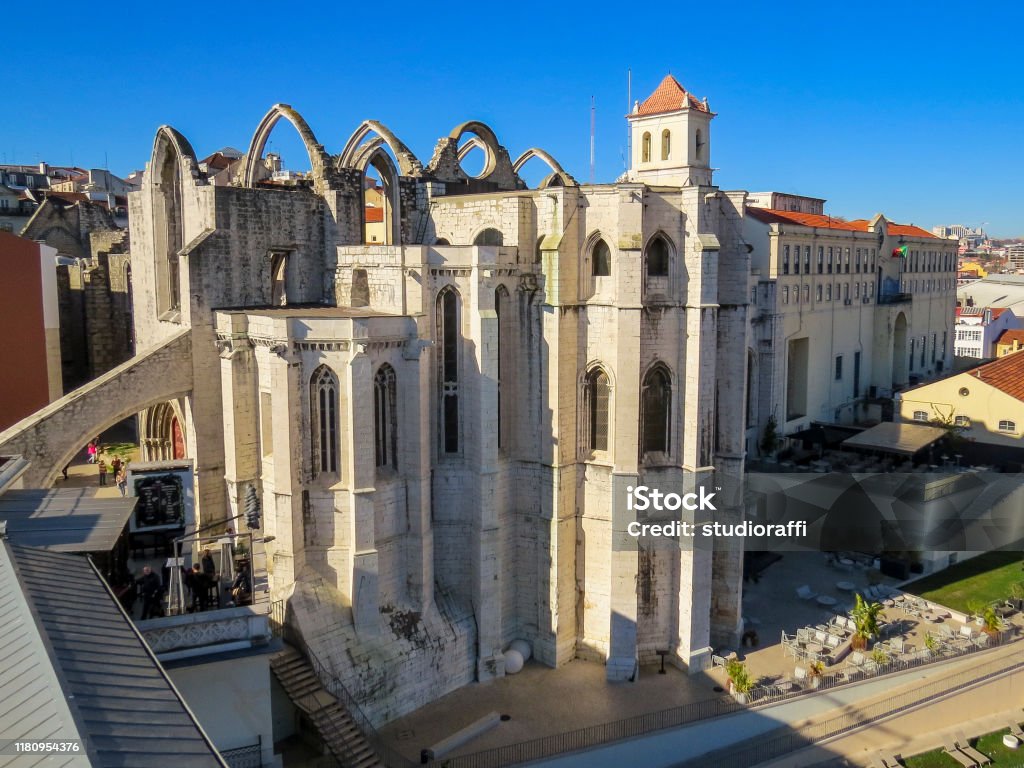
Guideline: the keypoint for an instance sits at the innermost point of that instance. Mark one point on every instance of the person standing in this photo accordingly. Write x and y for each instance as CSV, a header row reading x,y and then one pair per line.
x,y
115,465
151,589
103,472
92,449
121,478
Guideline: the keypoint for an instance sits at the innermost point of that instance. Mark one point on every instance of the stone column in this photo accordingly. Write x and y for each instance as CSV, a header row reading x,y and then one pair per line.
x,y
481,451
239,392
414,386
362,470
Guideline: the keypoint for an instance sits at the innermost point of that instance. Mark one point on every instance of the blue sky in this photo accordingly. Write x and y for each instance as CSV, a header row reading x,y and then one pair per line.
x,y
916,111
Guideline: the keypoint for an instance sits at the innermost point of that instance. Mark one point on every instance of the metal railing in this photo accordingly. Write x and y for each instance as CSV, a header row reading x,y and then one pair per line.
x,y
276,618
387,755
245,757
639,725
787,739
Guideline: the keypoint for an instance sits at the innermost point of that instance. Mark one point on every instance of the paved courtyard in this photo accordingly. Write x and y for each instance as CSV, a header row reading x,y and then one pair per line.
x,y
543,701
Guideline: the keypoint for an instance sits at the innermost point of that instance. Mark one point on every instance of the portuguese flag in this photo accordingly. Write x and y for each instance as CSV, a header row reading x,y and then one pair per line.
x,y
900,252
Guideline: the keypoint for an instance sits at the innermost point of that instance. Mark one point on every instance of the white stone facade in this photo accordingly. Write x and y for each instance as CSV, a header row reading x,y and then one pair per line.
x,y
467,483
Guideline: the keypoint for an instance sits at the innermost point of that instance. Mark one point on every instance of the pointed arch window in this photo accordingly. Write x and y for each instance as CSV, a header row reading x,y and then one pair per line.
x,y
324,420
448,336
385,418
666,144
503,308
596,399
656,410
601,259
657,258
645,148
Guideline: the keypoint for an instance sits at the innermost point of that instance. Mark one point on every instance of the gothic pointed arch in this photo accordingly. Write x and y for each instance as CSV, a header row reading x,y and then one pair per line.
x,y
658,254
351,154
169,140
324,422
448,336
318,158
558,176
172,167
656,411
595,409
385,418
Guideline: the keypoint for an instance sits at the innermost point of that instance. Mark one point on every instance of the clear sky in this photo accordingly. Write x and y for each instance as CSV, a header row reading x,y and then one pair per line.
x,y
915,110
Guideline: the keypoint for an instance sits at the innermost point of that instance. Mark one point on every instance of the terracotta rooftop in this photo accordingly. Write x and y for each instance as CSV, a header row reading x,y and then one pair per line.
x,y
1010,336
374,215
823,221
1005,374
670,96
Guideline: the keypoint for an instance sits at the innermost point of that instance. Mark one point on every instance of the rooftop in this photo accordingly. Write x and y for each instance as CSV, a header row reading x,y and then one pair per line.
x,y
824,221
123,705
1005,374
669,96
65,520
1010,336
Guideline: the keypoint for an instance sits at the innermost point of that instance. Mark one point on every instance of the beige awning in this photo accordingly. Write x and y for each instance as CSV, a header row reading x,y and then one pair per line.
x,y
891,437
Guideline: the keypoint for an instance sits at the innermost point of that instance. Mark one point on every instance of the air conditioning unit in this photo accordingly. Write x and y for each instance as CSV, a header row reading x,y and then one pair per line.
x,y
847,302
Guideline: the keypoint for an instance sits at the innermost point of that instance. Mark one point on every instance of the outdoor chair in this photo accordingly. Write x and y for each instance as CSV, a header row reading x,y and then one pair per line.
x,y
966,631
857,659
832,641
800,673
820,636
718,661
981,641
1015,730
956,754
965,746
896,644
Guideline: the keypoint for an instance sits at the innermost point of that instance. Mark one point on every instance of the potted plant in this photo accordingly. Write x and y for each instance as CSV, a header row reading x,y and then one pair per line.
x,y
739,680
991,623
1017,595
976,609
814,671
865,617
880,657
931,644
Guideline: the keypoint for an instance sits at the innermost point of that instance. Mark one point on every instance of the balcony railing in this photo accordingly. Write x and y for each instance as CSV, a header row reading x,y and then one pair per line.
x,y
894,298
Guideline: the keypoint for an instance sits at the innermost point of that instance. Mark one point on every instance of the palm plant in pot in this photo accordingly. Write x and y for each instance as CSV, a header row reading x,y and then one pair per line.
x,y
814,670
866,618
991,623
739,679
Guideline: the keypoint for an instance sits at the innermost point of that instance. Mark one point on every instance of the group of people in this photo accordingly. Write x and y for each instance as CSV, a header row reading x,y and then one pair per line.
x,y
117,467
201,580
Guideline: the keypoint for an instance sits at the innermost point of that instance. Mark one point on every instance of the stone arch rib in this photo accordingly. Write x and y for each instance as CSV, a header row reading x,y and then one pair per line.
x,y
556,169
318,158
168,139
356,152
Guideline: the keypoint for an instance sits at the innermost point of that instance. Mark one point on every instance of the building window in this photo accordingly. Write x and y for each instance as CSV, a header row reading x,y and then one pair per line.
x,y
785,259
846,292
504,308
448,335
657,257
807,294
828,292
856,374
847,262
1005,425
839,367
857,264
656,404
818,292
489,236
601,259
324,419
666,144
920,415
645,148
596,397
385,420
807,259
830,260
961,421
856,290
785,294
821,259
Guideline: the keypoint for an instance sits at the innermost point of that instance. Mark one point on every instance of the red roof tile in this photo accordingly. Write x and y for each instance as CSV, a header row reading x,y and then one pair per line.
x,y
374,215
823,221
669,96
1005,374
1010,336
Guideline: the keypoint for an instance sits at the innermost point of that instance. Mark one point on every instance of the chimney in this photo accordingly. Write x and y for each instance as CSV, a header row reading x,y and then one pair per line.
x,y
44,168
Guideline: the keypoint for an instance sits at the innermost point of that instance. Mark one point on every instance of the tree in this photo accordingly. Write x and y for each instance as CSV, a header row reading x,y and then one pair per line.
x,y
865,617
770,439
738,676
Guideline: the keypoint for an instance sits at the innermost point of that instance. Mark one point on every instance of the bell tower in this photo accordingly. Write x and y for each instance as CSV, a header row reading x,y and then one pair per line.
x,y
671,134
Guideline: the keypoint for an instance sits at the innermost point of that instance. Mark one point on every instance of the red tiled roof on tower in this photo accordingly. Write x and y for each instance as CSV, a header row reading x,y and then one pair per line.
x,y
669,96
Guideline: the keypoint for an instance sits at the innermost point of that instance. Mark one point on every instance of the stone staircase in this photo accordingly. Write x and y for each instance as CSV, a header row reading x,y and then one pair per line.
x,y
333,722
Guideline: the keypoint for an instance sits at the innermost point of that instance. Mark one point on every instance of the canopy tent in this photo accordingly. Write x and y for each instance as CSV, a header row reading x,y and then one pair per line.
x,y
892,437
